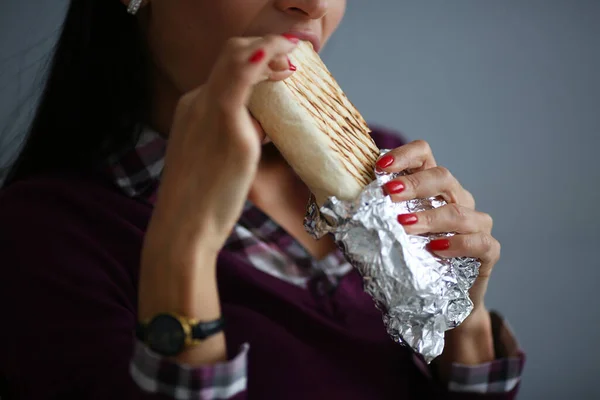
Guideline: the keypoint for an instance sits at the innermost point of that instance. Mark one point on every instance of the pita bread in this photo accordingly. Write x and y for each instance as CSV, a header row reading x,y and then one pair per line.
x,y
316,128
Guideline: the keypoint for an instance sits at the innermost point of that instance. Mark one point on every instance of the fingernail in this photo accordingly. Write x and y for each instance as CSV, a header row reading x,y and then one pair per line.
x,y
407,219
257,56
438,245
292,66
385,161
291,37
394,187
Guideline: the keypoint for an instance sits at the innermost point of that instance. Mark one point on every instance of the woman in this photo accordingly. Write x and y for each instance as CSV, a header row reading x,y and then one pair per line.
x,y
95,249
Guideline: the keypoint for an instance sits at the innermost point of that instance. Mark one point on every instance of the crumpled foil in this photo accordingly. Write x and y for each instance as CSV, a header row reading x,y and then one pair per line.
x,y
420,295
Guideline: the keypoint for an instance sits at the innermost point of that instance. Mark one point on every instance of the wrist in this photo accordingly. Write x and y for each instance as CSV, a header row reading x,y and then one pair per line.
x,y
471,343
174,287
178,281
476,324
171,335
178,276
191,296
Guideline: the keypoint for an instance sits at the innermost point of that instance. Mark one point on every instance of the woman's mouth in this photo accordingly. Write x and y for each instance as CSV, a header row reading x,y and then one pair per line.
x,y
309,37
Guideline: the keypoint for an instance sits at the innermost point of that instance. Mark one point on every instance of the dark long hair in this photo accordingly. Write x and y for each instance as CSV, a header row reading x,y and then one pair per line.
x,y
95,95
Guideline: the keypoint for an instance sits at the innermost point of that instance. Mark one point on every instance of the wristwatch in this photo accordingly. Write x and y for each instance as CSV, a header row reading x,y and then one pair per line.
x,y
170,334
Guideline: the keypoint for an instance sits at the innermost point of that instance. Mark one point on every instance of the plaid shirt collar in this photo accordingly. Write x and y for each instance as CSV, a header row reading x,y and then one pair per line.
x,y
137,171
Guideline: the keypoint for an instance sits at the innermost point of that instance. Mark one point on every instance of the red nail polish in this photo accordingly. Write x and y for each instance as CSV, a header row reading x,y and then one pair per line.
x,y
394,187
385,161
407,219
438,245
257,56
291,37
292,66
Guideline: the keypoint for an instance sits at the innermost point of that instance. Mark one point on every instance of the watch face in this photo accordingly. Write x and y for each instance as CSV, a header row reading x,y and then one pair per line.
x,y
166,335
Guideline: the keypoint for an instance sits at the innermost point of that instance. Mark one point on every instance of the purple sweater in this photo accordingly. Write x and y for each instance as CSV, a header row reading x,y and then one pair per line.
x,y
69,248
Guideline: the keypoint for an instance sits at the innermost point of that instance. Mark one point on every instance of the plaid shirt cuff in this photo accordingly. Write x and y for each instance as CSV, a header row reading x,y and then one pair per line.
x,y
499,376
155,374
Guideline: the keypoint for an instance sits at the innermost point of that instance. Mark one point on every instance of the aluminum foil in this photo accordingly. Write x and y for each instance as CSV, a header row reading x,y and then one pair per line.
x,y
420,295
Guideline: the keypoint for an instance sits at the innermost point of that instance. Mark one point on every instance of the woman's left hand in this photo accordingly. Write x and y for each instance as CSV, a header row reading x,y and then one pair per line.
x,y
473,228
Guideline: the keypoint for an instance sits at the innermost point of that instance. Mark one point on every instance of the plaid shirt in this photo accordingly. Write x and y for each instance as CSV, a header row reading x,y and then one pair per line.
x,y
267,247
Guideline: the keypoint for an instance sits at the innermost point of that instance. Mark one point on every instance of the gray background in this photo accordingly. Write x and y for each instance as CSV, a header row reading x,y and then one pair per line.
x,y
508,94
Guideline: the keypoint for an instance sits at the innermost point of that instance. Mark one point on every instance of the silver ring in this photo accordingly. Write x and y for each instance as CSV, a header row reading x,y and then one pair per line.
x,y
134,6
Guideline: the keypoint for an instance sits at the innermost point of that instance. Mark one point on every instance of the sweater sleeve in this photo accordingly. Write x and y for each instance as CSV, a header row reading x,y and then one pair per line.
x,y
69,296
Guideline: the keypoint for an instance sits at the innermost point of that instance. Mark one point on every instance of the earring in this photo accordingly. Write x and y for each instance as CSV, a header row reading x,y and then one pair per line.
x,y
134,6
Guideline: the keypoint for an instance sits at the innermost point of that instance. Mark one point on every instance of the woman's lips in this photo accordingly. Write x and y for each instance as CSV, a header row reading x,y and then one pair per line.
x,y
309,37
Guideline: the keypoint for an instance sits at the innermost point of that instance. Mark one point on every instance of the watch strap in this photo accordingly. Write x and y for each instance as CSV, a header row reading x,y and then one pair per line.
x,y
203,330
199,330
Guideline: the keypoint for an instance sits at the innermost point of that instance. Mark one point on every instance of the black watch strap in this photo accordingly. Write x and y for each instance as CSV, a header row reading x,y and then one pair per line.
x,y
203,330
199,330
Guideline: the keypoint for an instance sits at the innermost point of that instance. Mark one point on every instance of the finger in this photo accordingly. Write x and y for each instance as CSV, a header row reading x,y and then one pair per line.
x,y
436,181
477,245
448,218
414,156
283,74
281,63
281,68
278,69
243,63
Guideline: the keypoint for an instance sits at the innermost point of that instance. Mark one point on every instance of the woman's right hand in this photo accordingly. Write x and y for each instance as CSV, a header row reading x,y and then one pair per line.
x,y
212,156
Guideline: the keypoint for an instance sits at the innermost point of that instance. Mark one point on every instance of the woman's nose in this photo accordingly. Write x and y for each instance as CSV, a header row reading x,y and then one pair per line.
x,y
313,9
